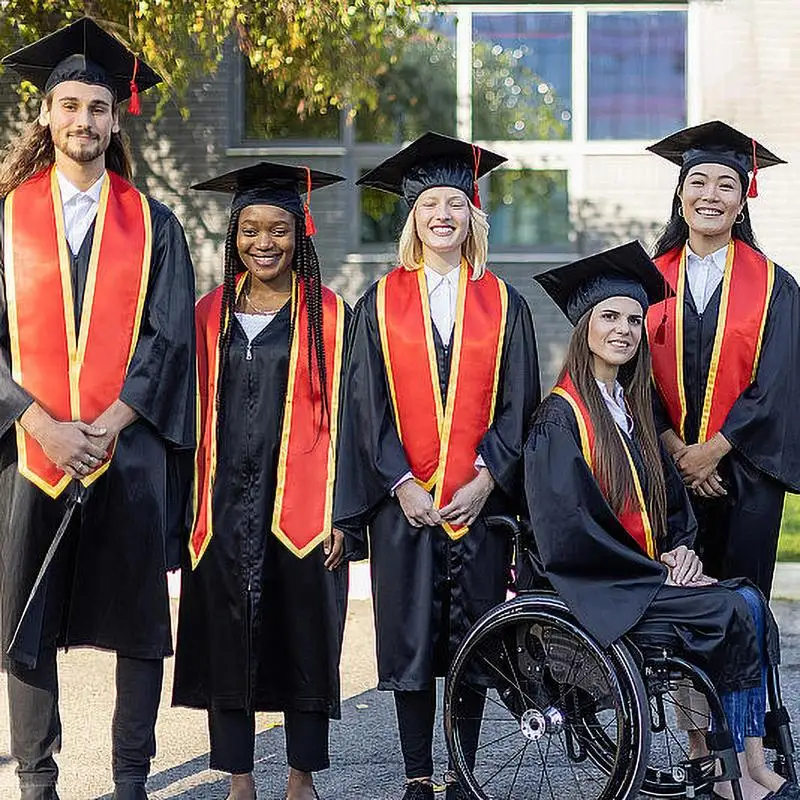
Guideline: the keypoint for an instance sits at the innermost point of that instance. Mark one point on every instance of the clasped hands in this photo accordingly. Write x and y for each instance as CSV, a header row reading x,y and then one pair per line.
x,y
463,509
697,463
78,448
685,568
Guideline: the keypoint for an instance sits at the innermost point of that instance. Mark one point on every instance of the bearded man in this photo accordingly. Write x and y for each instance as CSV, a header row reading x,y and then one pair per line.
x,y
96,404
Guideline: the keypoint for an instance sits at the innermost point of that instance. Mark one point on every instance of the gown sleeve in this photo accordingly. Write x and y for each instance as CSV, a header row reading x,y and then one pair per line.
x,y
14,400
160,384
606,582
518,395
681,522
763,424
371,456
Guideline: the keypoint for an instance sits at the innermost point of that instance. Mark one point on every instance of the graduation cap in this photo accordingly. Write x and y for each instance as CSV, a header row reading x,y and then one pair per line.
x,y
433,160
268,183
84,52
717,143
624,271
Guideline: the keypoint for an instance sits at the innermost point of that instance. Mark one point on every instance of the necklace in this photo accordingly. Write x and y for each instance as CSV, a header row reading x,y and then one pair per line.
x,y
256,308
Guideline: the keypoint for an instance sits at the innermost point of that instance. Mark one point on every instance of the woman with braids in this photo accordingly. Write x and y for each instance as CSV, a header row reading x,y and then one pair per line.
x,y
726,354
611,520
441,379
263,595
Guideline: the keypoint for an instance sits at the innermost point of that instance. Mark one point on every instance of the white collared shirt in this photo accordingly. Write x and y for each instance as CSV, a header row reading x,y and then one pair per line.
x,y
442,298
80,209
704,275
616,405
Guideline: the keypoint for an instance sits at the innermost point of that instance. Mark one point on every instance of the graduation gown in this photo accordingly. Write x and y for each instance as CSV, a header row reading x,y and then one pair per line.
x,y
427,588
259,628
126,533
738,534
611,586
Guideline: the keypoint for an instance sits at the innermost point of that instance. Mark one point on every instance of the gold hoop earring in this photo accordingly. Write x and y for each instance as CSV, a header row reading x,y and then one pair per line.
x,y
740,221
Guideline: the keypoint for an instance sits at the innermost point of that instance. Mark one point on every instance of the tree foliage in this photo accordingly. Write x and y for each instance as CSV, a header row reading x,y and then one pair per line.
x,y
315,53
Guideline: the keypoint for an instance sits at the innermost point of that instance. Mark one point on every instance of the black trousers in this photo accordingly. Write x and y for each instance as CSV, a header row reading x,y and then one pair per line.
x,y
232,733
416,713
36,724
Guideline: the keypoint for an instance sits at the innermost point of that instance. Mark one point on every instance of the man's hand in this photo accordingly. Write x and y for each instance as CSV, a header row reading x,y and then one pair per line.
x,y
468,501
71,446
333,547
684,565
417,504
698,462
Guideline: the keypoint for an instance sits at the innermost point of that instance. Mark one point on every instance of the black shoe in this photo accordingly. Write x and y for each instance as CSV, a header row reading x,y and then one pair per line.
x,y
454,792
38,793
129,791
418,790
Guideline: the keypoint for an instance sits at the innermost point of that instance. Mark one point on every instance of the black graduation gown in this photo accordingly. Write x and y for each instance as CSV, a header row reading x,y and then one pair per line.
x,y
259,629
610,585
738,534
428,589
126,532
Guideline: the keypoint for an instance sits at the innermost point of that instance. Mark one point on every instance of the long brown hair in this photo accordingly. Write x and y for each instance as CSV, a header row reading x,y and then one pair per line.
x,y
611,463
33,150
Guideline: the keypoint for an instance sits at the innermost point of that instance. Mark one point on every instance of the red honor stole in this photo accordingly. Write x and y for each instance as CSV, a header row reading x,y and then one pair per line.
x,y
635,520
441,442
746,291
73,375
303,508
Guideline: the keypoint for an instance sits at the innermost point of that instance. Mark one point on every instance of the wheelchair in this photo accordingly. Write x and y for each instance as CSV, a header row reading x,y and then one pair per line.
x,y
534,707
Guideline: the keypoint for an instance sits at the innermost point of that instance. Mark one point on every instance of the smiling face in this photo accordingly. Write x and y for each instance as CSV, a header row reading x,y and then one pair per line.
x,y
442,217
711,197
81,118
615,331
265,240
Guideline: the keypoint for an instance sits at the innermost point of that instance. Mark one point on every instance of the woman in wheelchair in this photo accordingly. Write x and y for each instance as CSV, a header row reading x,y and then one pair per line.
x,y
610,516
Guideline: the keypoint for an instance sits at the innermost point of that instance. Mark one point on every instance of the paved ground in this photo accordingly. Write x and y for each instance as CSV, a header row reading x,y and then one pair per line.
x,y
364,744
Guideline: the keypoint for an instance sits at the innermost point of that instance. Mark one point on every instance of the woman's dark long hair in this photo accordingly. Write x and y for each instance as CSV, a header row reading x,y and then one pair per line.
x,y
305,264
611,463
33,150
676,231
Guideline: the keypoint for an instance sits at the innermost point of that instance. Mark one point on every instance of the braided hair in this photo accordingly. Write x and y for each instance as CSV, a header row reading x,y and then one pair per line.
x,y
305,265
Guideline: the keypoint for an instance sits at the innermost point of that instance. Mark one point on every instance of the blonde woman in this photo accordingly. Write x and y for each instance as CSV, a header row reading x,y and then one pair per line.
x,y
442,377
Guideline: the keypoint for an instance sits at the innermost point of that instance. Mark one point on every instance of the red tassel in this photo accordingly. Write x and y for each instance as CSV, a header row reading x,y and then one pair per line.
x,y
476,162
661,331
311,228
134,107
753,190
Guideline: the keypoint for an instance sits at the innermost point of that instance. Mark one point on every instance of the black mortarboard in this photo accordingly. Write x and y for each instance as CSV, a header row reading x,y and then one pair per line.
x,y
717,143
84,52
624,271
268,183
433,160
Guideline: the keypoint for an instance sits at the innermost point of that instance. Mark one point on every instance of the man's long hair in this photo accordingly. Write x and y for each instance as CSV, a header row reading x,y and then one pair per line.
x,y
612,468
33,150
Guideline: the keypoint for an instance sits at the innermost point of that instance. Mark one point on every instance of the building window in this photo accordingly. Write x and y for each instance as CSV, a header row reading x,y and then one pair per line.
x,y
267,115
528,209
522,76
637,74
418,93
382,217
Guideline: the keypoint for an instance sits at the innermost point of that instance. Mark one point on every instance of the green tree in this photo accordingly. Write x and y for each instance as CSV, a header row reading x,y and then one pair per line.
x,y
314,53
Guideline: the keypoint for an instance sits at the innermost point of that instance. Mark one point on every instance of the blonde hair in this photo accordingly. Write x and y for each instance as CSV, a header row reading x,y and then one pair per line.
x,y
475,248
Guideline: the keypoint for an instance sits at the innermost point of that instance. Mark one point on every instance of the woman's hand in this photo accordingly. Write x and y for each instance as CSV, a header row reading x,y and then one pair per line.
x,y
468,501
698,462
711,487
417,504
333,547
684,565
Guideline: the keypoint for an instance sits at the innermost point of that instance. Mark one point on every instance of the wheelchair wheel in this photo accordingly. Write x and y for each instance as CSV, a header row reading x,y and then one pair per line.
x,y
535,708
668,700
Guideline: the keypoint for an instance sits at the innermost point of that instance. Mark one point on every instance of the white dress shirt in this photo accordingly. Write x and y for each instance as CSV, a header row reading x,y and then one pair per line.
x,y
616,405
80,209
442,298
704,275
